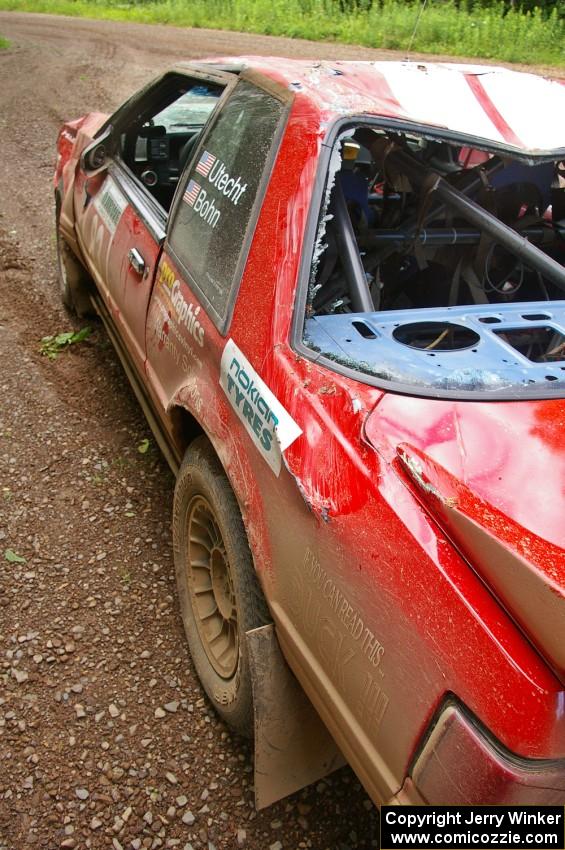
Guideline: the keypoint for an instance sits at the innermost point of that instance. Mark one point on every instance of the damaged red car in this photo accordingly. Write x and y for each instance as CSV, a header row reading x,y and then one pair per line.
x,y
338,290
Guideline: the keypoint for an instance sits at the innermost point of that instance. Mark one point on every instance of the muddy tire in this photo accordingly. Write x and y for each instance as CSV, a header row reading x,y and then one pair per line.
x,y
220,597
74,280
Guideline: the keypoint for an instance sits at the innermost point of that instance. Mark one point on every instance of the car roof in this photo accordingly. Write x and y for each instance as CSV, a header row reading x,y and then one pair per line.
x,y
520,111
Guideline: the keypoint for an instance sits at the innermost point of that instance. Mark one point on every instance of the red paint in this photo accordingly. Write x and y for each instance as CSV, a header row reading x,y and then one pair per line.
x,y
355,560
495,116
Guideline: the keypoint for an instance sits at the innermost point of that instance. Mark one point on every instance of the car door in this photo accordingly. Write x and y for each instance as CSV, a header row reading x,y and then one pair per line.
x,y
209,237
124,209
122,232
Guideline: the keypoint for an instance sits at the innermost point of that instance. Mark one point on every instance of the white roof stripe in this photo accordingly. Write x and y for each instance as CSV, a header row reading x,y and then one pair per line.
x,y
438,96
542,124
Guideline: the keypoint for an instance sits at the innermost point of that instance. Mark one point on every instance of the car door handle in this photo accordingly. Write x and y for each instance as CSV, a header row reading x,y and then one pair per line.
x,y
136,261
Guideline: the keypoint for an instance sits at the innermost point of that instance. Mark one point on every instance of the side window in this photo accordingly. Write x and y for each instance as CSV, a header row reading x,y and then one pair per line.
x,y
159,131
216,211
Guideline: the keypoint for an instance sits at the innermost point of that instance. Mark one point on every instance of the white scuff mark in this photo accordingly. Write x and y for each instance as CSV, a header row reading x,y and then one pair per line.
x,y
357,405
473,379
460,443
414,467
321,245
314,76
417,473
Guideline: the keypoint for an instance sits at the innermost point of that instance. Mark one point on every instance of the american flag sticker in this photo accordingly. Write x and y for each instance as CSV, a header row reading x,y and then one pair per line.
x,y
192,191
205,163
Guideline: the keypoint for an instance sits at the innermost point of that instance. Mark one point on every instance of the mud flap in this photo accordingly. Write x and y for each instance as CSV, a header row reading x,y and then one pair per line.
x,y
293,748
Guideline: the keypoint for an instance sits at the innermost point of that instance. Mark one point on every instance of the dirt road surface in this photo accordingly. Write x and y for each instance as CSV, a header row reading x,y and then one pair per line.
x,y
106,740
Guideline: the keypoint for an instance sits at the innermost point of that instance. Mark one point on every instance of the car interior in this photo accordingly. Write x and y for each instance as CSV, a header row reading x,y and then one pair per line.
x,y
161,139
418,252
438,244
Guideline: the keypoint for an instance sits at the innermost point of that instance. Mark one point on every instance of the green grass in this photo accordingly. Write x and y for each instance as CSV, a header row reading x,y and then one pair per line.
x,y
4,43
484,32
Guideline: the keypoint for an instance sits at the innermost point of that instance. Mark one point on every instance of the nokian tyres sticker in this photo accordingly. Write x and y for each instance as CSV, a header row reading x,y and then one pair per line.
x,y
269,425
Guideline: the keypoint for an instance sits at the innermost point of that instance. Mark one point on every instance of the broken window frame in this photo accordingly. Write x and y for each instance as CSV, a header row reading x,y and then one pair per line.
x,y
319,204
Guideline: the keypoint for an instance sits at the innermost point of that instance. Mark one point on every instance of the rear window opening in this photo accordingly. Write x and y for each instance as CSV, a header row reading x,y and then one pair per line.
x,y
431,247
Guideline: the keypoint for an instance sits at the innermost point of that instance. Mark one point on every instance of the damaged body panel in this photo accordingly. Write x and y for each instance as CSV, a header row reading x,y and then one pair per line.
x,y
432,273
347,281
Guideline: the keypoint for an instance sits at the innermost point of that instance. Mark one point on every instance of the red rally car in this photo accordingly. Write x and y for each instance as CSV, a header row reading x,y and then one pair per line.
x,y
338,290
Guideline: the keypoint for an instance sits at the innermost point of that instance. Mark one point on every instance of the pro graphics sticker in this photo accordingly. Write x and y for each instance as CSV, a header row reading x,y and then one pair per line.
x,y
269,425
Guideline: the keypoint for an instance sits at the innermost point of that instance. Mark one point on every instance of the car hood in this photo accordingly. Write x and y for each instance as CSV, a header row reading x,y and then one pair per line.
x,y
493,475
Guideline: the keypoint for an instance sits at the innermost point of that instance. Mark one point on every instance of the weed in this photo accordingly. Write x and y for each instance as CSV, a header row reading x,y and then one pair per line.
x,y
4,43
13,558
121,462
51,346
153,793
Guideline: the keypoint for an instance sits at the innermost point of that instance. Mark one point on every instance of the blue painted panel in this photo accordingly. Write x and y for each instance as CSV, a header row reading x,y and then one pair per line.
x,y
490,365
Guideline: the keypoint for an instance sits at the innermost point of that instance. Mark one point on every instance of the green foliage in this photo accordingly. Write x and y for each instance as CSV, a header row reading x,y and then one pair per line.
x,y
13,558
494,29
4,43
51,346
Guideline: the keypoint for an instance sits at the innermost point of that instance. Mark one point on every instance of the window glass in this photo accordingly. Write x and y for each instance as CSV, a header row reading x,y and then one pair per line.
x,y
192,109
158,130
212,218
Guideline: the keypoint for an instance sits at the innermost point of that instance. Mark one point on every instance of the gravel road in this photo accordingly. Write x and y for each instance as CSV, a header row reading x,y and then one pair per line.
x,y
106,739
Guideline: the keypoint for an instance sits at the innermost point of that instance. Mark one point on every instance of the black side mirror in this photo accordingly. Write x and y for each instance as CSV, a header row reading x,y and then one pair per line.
x,y
96,156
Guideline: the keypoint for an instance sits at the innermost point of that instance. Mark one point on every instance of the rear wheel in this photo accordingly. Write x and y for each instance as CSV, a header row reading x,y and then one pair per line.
x,y
220,597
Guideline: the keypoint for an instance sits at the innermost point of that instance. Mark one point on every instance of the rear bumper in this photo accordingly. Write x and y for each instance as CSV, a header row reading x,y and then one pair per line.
x,y
460,764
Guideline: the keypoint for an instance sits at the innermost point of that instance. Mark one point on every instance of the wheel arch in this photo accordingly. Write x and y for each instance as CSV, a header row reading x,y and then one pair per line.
x,y
187,426
65,217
